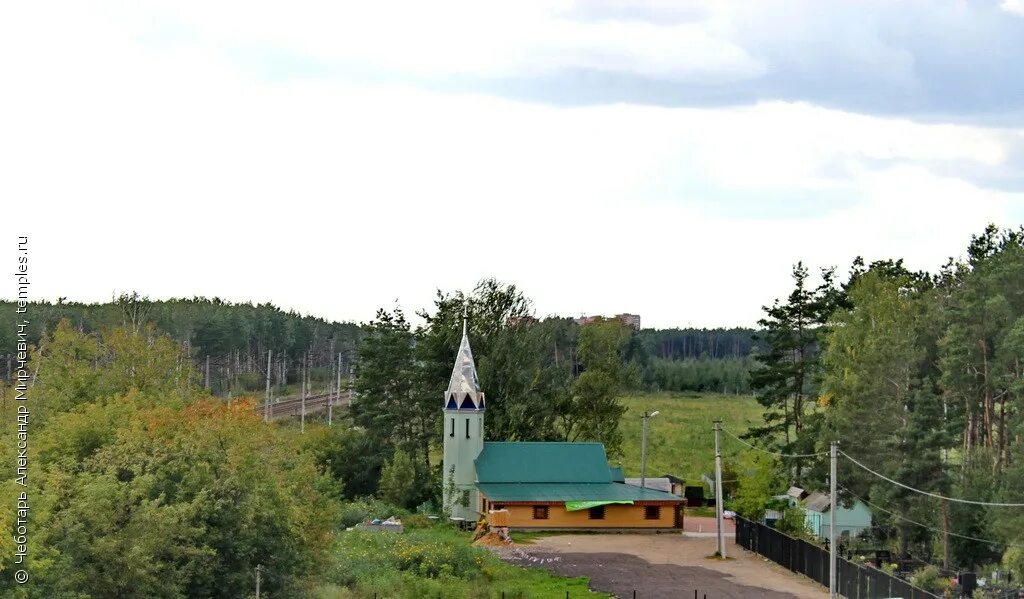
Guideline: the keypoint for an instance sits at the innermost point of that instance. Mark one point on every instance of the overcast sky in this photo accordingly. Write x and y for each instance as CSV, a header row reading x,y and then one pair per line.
x,y
672,159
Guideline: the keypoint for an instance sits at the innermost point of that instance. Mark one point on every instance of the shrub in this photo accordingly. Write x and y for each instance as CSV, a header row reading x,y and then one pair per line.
x,y
929,579
416,521
794,522
352,514
356,512
1013,560
398,479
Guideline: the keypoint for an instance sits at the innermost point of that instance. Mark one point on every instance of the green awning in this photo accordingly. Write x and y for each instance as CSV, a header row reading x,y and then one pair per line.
x,y
575,506
563,492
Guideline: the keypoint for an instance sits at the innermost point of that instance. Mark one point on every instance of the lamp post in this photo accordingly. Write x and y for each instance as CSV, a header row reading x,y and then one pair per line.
x,y
643,449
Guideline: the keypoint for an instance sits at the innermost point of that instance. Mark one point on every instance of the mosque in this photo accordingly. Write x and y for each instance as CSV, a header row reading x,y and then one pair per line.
x,y
544,485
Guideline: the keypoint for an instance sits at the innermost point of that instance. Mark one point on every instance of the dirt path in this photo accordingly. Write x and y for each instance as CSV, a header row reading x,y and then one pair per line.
x,y
669,565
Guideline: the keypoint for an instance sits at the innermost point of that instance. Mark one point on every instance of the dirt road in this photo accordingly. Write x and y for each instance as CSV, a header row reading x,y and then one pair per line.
x,y
704,524
669,566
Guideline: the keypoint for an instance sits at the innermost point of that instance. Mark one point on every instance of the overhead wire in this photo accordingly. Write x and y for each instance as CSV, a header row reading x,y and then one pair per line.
x,y
775,453
928,493
938,530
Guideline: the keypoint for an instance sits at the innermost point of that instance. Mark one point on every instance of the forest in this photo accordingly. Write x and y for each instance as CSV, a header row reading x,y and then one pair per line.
x,y
228,343
920,379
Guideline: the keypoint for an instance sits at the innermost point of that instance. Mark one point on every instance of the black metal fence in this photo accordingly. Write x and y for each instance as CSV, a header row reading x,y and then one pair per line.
x,y
854,581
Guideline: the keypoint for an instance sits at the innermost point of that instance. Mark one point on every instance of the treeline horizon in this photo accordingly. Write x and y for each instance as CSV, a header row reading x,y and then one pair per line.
x,y
235,337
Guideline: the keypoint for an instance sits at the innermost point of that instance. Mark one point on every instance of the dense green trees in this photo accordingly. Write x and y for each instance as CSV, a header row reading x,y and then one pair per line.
x,y
235,337
919,376
592,410
141,486
702,375
689,343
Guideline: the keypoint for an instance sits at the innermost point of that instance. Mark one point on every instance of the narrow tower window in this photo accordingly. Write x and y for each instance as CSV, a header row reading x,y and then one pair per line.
x,y
452,434
467,428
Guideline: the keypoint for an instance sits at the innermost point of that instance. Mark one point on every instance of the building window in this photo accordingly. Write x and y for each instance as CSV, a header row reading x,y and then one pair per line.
x,y
540,512
597,513
465,499
452,434
467,428
652,512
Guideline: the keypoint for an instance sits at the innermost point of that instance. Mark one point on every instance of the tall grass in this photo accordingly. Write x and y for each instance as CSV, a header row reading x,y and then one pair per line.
x,y
680,439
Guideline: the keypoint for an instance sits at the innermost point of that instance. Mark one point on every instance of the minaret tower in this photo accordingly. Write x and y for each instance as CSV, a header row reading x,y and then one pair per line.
x,y
463,433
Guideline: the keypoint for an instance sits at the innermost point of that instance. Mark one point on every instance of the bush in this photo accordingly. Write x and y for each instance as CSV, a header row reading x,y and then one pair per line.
x,y
352,514
1013,560
930,579
417,521
356,512
794,522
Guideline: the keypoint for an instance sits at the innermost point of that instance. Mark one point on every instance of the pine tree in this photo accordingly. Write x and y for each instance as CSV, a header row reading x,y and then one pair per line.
x,y
786,381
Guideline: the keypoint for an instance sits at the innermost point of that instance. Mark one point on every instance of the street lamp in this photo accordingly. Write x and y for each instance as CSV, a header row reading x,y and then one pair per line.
x,y
643,449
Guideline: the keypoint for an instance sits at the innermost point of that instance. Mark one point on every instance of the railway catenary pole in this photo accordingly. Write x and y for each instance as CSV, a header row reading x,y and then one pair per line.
x,y
718,490
305,378
337,387
832,548
266,399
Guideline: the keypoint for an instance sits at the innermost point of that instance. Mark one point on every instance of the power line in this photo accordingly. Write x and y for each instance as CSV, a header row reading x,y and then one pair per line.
x,y
775,453
929,494
925,526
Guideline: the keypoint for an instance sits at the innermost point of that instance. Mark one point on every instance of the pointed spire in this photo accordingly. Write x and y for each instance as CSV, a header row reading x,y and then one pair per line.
x,y
464,373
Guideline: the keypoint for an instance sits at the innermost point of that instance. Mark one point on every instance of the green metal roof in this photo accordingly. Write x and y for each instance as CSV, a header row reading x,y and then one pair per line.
x,y
537,462
572,492
617,475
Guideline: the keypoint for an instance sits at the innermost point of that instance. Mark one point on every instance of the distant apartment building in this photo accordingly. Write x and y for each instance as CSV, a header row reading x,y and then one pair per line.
x,y
632,320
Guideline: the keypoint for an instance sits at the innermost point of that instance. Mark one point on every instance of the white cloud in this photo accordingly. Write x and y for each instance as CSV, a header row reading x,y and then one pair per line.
x,y
457,38
167,170
1015,7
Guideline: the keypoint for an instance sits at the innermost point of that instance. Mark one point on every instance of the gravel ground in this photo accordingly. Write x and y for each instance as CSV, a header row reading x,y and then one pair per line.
x,y
666,565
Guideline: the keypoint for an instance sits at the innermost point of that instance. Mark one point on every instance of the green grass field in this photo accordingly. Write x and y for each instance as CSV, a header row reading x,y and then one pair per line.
x,y
680,439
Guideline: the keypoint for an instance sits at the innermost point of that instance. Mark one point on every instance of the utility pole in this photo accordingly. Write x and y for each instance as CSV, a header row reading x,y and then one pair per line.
x,y
259,568
718,490
207,372
266,400
833,550
305,377
643,453
643,449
